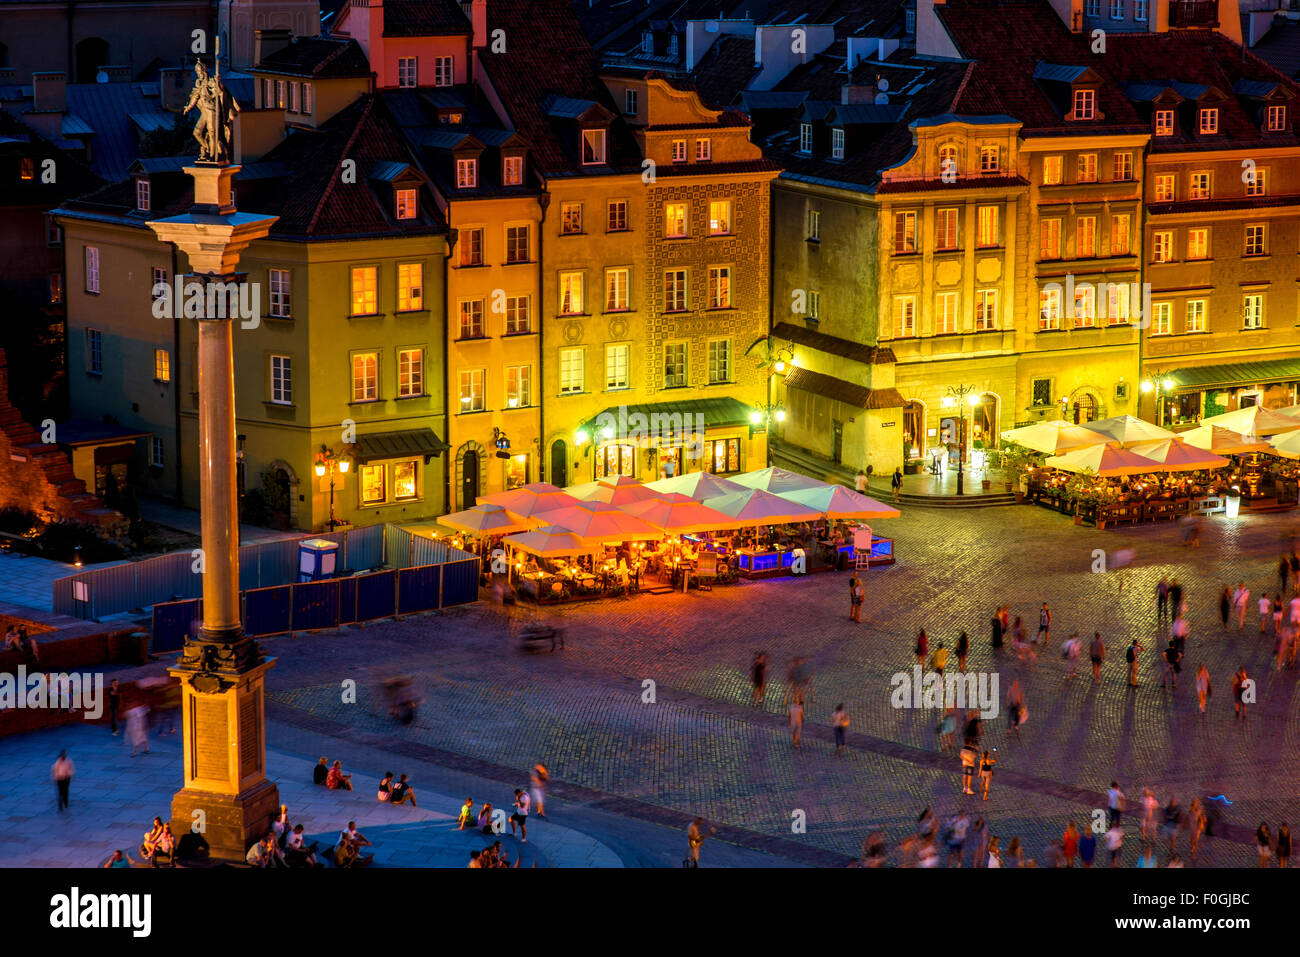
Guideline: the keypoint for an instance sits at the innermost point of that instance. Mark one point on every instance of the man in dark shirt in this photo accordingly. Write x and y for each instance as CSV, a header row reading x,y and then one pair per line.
x,y
320,772
402,792
114,702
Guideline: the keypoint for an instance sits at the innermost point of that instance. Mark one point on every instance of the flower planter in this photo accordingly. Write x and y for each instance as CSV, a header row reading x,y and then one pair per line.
x,y
986,484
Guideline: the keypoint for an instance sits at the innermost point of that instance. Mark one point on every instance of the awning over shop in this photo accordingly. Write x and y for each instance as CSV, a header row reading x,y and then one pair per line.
x,y
83,432
850,393
392,445
1236,373
719,413
833,345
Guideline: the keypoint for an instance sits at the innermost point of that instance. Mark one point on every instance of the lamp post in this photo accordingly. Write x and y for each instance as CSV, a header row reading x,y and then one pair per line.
x,y
327,461
1161,385
960,395
761,417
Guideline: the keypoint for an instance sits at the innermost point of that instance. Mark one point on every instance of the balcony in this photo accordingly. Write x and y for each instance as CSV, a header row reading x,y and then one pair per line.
x,y
1193,13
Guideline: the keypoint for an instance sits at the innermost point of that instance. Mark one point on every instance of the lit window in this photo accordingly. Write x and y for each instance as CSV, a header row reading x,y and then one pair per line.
x,y
703,151
471,390
719,361
990,159
1255,239
444,71
1164,122
407,72
814,224
1162,247
410,287
1087,168
987,226
471,244
722,455
904,233
1162,318
512,171
365,290
674,365
410,372
406,204
1049,246
1123,167
1119,234
945,229
162,365
404,481
814,304
1252,311
1200,186
805,137
986,310
1164,188
471,319
92,269
280,99
518,244
518,320
1209,120
570,293
679,151
268,98
570,218
904,316
571,371
1052,167
593,147
365,377
616,218
948,165
617,357
56,287
1276,119
282,380
1085,237
293,97
466,173
1196,315
1198,243
1085,104
719,217
616,282
519,387
374,484
837,143
1117,300
142,194
675,290
945,313
1049,309
1085,306
279,283
675,220
719,287
1256,182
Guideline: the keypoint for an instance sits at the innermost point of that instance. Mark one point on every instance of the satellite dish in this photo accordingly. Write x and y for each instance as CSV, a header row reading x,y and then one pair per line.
x,y
101,77
882,99
882,84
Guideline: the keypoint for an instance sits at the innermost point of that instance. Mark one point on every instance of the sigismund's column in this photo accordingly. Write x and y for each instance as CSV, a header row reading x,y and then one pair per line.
x,y
226,794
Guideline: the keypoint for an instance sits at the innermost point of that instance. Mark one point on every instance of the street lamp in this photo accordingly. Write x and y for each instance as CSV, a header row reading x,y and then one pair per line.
x,y
760,419
1161,385
959,395
329,462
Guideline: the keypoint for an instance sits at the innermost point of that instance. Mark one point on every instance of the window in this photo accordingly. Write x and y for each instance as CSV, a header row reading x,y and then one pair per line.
x,y
410,373
1252,311
280,100
703,151
1164,188
571,377
444,71
987,228
1123,167
945,313
1255,239
1052,170
593,147
1085,104
374,484
616,283
407,72
904,316
986,309
1276,122
1198,243
719,361
814,225
1049,309
722,455
675,290
471,319
945,229
293,97
410,287
990,159
679,151
155,452
570,218
1140,10
279,283
1208,122
616,219
719,287
53,232
1199,186
948,165
56,287
512,171
571,294
1257,182
404,481
1119,234
1087,168
365,377
614,460
1164,120
471,242
1162,246
629,102
519,387
1117,9
837,144
1162,318
518,315
471,390
1117,301
162,365
1049,246
365,290
518,244
157,275
805,137
675,218
282,380
142,194
1085,237
719,217
267,100
904,233
92,269
814,304
407,206
1085,306
306,97
1042,392
466,173
616,366
674,365
1195,315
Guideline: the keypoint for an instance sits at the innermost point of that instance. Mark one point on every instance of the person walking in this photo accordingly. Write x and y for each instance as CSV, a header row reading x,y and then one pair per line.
x,y
857,595
1115,844
114,705
758,675
896,483
1202,685
922,648
1175,598
1149,807
1073,646
1097,652
1044,625
963,649
1239,685
996,630
1131,657
796,719
1195,825
539,779
969,758
840,722
1162,599
1225,606
1114,804
1283,846
1087,848
695,836
137,728
973,728
1172,658
1070,843
1278,608
986,772
1283,573
1243,599
62,772
1265,611
1264,843
860,483
939,659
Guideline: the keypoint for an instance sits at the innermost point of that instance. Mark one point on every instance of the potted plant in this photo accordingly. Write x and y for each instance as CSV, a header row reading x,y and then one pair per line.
x,y
1017,460
1082,496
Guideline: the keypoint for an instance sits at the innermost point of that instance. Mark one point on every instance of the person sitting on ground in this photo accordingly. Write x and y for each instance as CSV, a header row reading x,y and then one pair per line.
x,y
466,818
336,779
281,825
474,857
152,838
265,853
386,787
120,859
321,771
296,853
351,835
484,822
31,644
403,792
11,640
499,858
347,853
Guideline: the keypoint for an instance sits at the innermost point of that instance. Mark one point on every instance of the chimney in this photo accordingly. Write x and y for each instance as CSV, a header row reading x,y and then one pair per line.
x,y
267,42
478,18
114,74
857,93
174,85
49,92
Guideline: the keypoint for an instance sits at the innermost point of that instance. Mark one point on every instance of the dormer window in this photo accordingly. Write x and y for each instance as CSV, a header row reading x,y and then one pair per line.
x,y
948,161
990,159
837,144
703,151
1209,121
1275,121
805,137
27,168
909,21
593,147
1085,104
407,203
512,171
142,194
679,151
1164,122
451,119
466,173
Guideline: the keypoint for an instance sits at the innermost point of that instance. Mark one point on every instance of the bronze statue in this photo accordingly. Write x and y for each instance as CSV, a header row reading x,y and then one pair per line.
x,y
215,129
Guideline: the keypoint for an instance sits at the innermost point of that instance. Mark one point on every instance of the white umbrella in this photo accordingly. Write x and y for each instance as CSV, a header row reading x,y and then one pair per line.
x,y
698,485
487,519
836,501
1128,430
1104,460
1175,455
1053,437
549,542
1253,420
777,481
1286,444
1217,439
753,506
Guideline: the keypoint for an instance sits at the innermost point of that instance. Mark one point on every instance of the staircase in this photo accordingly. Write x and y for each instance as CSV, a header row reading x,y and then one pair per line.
x,y
975,499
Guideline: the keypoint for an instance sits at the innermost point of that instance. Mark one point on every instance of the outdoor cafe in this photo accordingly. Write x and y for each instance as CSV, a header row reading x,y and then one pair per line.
x,y
618,536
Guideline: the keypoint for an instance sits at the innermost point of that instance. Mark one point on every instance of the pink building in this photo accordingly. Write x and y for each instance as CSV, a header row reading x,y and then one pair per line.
x,y
415,43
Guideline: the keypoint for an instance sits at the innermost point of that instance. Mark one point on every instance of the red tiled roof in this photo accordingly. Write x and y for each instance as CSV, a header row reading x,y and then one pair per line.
x,y
716,169
424,18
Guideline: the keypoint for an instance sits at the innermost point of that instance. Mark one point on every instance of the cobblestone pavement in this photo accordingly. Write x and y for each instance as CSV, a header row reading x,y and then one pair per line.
x,y
701,747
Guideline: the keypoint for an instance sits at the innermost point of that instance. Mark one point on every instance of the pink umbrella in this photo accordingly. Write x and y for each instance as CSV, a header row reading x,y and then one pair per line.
x,y
836,501
1175,455
679,517
601,522
531,499
753,506
698,485
615,493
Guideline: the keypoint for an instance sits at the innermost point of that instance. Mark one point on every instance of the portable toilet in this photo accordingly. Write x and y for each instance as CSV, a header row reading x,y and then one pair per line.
x,y
317,559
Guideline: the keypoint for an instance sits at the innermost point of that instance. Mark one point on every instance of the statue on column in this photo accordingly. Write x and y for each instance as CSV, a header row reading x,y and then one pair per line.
x,y
215,130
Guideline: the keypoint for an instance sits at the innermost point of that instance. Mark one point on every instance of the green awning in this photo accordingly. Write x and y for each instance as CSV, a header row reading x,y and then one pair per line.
x,y
717,413
390,445
1236,373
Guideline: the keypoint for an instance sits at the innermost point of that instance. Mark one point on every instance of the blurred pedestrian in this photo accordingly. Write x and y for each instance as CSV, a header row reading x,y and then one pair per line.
x,y
758,676
963,649
1283,846
1162,599
986,772
1070,843
857,595
922,648
796,719
1263,842
1097,652
1131,657
1225,606
840,721
62,774
137,728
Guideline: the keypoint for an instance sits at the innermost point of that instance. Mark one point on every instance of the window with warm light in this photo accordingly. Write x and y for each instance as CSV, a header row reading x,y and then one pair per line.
x,y
617,359
572,378
281,101
1208,121
518,315
722,455
945,229
1123,167
1085,237
703,151
814,304
1049,309
986,231
471,390
904,233
679,151
374,484
1117,301
1255,239
949,165
1052,170
990,159
518,244
471,319
1252,311
675,220
986,310
616,288
55,287
407,205
719,287
410,373
1164,188
1085,104
1120,234
675,290
570,218
365,290
904,316
471,247
945,313
570,293
405,484
814,225
365,377
616,216
1087,168
1049,246
1162,318
1257,182
1198,243
1199,186
719,217
1196,315
1276,120
410,287
466,173
512,171
1164,122
1162,246
162,365
519,387
593,147
27,168
1085,306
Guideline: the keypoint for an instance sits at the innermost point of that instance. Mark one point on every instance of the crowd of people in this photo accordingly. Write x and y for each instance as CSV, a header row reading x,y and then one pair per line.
x,y
529,802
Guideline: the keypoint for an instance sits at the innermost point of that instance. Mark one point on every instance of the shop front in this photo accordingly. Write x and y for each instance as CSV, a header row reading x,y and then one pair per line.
x,y
1186,396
